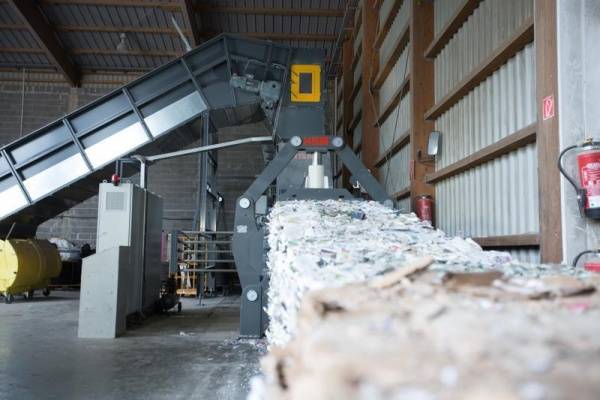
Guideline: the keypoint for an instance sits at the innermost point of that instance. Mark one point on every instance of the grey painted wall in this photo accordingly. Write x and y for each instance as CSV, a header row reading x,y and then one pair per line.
x,y
578,107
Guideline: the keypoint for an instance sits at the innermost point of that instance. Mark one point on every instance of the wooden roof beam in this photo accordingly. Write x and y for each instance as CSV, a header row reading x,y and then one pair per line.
x,y
172,31
306,37
300,12
109,29
46,37
121,3
79,51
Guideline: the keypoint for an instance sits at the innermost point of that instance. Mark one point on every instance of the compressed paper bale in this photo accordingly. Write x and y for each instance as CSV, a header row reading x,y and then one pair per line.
x,y
438,344
319,244
448,332
407,270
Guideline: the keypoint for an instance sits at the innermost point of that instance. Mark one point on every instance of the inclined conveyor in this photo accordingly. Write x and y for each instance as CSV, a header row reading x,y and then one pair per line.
x,y
61,164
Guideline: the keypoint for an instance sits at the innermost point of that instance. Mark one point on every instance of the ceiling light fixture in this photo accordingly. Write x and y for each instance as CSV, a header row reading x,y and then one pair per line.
x,y
123,45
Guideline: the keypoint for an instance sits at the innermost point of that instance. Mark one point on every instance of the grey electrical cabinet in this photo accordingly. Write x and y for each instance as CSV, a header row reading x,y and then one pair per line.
x,y
131,216
103,296
128,217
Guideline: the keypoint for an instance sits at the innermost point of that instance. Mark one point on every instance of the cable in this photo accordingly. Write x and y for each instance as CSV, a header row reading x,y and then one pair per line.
x,y
581,192
562,170
389,156
22,104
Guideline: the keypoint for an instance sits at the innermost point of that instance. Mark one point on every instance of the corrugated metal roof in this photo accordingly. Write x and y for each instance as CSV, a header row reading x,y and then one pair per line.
x,y
111,16
294,25
77,24
24,60
90,29
7,14
18,38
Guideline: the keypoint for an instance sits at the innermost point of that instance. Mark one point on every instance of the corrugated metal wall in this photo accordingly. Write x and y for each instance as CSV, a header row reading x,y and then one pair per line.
x,y
396,29
395,125
492,22
499,197
495,199
357,136
501,105
443,13
357,103
359,35
404,205
394,173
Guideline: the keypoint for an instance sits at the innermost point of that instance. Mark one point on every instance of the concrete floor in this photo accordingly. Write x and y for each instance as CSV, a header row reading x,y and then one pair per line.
x,y
194,355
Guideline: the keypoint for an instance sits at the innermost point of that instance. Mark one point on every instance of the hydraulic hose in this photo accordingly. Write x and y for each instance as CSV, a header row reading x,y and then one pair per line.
x,y
562,170
578,256
581,193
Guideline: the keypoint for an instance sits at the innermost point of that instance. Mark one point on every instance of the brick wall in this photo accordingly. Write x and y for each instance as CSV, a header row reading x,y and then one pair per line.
x,y
44,99
41,106
238,167
47,99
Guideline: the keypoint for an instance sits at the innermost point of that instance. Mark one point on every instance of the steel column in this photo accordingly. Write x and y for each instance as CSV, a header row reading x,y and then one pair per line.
x,y
202,189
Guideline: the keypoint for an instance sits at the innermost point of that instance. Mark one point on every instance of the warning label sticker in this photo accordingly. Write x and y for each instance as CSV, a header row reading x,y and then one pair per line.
x,y
548,107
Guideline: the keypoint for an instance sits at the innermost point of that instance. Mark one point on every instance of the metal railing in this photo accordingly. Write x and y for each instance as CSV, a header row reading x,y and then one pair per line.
x,y
195,256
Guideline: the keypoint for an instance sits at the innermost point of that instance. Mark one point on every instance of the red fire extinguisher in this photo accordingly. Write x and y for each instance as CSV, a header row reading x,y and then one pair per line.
x,y
588,191
425,208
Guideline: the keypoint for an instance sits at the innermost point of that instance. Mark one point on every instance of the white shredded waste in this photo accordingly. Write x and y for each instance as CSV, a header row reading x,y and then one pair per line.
x,y
320,244
66,249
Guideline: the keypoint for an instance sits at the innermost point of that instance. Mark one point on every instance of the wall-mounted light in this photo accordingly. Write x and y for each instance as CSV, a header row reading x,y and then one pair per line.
x,y
434,144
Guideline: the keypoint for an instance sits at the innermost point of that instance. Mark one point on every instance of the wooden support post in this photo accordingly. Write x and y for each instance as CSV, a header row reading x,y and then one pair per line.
x,y
547,131
422,96
347,83
370,108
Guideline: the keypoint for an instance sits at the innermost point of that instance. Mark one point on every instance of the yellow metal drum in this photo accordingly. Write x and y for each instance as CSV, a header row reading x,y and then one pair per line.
x,y
27,265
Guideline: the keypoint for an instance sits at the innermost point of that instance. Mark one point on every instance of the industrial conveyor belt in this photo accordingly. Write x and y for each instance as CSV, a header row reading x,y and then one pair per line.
x,y
61,164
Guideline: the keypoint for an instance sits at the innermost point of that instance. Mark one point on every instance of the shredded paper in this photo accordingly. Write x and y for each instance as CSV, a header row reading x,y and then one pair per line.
x,y
319,244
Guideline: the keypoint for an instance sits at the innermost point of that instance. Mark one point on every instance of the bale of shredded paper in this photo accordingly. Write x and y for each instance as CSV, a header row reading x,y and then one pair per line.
x,y
320,244
67,250
385,307
428,335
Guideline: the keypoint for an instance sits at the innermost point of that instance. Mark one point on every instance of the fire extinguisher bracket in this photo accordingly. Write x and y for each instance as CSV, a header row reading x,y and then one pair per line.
x,y
591,265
